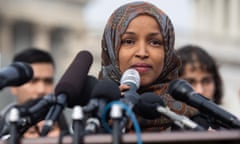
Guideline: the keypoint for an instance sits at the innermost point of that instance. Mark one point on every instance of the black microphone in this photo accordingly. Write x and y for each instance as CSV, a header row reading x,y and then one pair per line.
x,y
85,96
30,113
15,74
104,92
147,106
74,79
182,91
50,99
36,110
151,106
70,87
131,77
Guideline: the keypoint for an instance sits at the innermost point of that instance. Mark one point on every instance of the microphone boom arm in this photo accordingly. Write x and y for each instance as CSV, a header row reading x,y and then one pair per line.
x,y
180,120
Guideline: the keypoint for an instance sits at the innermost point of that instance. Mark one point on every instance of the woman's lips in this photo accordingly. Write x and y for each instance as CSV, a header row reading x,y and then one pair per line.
x,y
142,68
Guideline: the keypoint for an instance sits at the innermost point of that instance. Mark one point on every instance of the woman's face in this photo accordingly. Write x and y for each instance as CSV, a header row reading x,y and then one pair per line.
x,y
201,81
142,48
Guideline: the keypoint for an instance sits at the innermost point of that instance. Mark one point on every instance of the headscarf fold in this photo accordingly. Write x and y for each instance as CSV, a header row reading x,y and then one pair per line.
x,y
111,42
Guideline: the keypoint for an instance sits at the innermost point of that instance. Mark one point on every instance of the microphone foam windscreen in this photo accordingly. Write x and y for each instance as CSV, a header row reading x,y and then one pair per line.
x,y
106,89
25,71
147,106
85,96
74,79
15,74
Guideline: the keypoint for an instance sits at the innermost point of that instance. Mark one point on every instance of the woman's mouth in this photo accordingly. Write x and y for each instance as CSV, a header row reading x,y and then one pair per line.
x,y
142,68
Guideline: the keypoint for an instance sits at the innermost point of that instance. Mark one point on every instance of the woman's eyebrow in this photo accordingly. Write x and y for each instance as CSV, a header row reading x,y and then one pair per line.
x,y
128,33
151,34
155,33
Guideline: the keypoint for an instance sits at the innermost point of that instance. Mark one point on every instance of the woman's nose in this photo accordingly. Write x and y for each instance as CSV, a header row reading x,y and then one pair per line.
x,y
142,51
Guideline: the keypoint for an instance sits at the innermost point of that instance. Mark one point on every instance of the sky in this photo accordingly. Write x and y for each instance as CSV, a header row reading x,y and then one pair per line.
x,y
98,11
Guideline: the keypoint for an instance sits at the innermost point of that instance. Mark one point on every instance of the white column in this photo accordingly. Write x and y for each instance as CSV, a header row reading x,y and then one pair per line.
x,y
207,15
234,18
41,37
218,17
198,15
5,42
202,15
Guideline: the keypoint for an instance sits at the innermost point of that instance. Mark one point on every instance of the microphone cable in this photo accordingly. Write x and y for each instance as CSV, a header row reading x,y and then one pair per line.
x,y
129,114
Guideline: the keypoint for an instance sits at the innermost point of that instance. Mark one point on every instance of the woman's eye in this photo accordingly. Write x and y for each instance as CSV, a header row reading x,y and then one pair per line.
x,y
127,41
156,43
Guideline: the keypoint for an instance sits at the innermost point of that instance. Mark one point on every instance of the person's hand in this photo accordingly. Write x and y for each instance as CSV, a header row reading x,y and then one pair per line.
x,y
123,88
211,129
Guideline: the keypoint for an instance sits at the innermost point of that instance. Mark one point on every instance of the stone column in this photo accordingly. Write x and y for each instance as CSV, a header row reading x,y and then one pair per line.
x,y
219,27
7,51
234,19
207,16
41,37
6,42
203,15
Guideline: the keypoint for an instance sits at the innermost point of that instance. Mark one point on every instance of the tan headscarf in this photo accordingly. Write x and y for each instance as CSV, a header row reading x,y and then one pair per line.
x,y
111,42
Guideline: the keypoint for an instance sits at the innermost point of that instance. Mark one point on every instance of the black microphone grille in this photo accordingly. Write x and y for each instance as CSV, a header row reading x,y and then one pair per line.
x,y
180,89
25,71
147,105
106,89
84,97
152,98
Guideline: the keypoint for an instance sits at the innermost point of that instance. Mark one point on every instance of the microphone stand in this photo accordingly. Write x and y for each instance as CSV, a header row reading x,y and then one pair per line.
x,y
180,120
48,123
92,125
77,117
13,119
116,115
53,114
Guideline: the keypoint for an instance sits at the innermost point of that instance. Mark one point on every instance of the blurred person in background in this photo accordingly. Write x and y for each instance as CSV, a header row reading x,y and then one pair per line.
x,y
200,69
40,85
